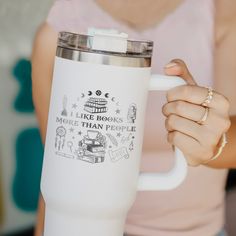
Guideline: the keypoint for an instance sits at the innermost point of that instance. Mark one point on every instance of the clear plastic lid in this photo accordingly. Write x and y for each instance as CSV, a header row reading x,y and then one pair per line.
x,y
106,43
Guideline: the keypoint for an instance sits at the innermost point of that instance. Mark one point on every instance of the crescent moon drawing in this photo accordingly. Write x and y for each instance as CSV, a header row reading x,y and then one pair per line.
x,y
82,95
90,93
113,99
107,95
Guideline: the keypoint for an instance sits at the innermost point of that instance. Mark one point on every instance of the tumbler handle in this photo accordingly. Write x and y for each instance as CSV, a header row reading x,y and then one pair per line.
x,y
174,177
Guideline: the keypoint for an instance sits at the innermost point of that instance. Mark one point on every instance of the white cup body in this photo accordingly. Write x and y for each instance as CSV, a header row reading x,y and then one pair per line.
x,y
93,146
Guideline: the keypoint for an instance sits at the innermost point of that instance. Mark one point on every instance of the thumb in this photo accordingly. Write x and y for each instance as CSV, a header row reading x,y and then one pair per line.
x,y
178,67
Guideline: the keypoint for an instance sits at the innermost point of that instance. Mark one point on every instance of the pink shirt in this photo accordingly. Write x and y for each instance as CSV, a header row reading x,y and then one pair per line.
x,y
197,206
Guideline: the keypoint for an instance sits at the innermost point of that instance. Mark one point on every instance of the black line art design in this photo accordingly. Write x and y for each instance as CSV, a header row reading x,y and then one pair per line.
x,y
92,147
65,155
96,105
60,137
117,111
70,145
106,95
71,130
64,105
98,92
131,116
125,138
74,106
90,93
131,146
118,154
112,139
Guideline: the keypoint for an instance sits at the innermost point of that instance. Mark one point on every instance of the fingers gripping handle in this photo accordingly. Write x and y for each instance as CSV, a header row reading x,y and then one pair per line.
x,y
174,177
164,82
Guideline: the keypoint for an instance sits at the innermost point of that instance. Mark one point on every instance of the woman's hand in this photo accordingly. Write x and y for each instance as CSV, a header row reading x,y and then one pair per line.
x,y
197,141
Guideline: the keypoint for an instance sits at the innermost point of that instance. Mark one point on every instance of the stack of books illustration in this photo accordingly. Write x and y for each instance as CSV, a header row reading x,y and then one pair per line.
x,y
93,150
96,105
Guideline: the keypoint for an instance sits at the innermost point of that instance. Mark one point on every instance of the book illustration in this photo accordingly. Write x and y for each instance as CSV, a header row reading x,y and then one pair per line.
x,y
92,147
131,116
60,137
96,105
112,139
64,105
118,154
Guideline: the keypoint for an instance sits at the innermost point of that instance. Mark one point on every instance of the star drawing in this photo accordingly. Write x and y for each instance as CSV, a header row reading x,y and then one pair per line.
x,y
74,106
117,111
71,129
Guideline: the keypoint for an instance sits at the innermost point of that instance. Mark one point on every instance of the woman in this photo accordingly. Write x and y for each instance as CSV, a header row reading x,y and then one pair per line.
x,y
203,38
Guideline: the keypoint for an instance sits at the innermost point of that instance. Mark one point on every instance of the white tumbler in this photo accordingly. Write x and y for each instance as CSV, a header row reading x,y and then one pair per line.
x,y
95,134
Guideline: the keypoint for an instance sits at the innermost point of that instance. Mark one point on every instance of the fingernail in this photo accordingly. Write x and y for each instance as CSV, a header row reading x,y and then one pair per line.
x,y
171,64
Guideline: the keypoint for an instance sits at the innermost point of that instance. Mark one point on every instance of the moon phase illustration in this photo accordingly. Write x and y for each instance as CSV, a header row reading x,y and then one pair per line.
x,y
107,95
82,95
98,92
113,99
90,93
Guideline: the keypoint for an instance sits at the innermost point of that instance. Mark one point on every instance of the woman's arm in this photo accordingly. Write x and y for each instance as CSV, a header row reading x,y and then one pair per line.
x,y
44,50
204,138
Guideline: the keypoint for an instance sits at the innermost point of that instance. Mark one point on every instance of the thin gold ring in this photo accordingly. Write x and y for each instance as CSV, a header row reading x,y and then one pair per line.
x,y
209,97
204,117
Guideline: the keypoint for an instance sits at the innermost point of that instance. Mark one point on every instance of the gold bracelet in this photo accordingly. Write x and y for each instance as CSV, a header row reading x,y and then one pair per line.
x,y
221,145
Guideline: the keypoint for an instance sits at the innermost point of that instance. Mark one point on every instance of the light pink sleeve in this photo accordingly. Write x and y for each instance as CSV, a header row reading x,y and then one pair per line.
x,y
62,15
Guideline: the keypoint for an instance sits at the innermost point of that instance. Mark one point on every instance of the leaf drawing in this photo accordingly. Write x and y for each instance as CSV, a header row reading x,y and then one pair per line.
x,y
112,139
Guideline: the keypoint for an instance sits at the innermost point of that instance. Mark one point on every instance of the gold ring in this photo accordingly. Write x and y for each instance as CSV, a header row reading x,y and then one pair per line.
x,y
204,117
209,97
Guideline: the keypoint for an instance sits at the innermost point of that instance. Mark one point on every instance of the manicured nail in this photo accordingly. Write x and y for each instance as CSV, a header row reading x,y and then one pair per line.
x,y
171,64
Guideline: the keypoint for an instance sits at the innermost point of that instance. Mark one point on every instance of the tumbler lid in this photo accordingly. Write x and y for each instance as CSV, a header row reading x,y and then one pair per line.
x,y
107,42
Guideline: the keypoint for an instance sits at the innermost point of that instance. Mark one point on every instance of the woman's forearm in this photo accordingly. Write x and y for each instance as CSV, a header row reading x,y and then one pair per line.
x,y
40,217
227,159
